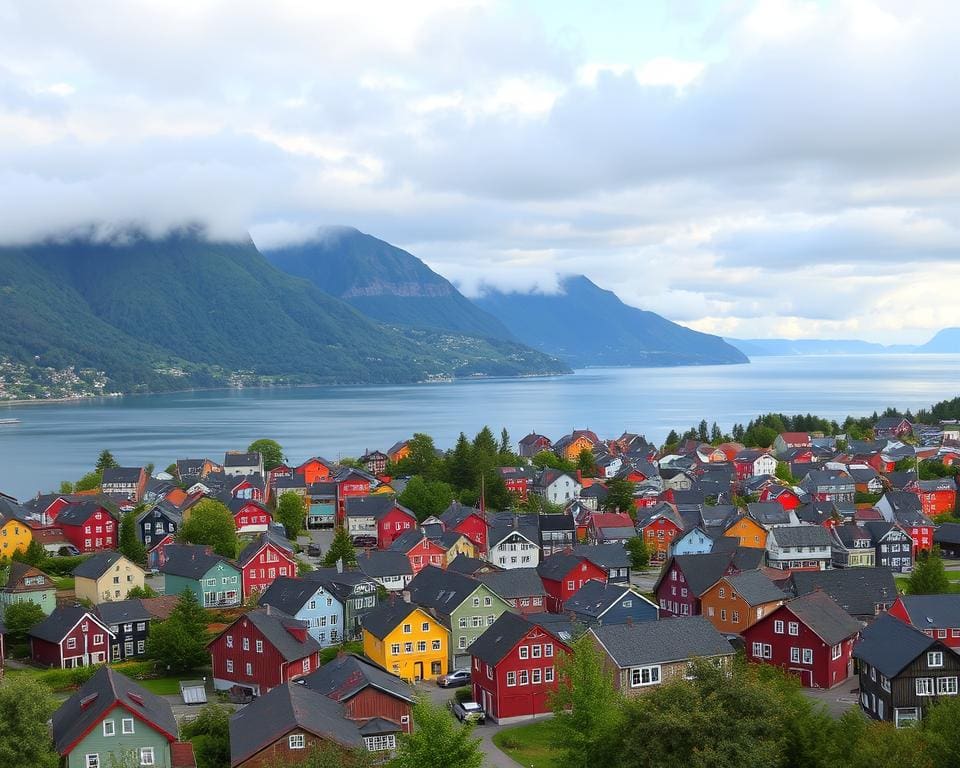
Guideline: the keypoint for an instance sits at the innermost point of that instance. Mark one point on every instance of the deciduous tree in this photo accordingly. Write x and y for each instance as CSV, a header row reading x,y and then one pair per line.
x,y
341,548
619,496
290,512
437,741
25,707
425,498
270,450
212,524
929,576
639,553
130,545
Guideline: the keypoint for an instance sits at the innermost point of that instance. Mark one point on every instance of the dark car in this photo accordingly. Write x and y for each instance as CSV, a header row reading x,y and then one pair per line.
x,y
454,679
314,550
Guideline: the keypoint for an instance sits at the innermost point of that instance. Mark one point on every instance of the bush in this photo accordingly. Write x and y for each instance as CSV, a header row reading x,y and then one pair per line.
x,y
67,679
329,654
62,566
19,651
138,670
463,694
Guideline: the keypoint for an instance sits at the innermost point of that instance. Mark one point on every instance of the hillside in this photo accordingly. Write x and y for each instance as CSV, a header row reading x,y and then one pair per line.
x,y
384,282
792,347
945,341
161,314
588,326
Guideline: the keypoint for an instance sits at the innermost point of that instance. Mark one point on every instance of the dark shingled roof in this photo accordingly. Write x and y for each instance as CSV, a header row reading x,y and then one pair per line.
x,y
78,512
383,619
468,565
558,565
932,611
701,571
595,597
281,542
801,536
190,562
273,625
237,459
755,588
514,583
375,506
440,590
378,563
890,645
286,707
557,522
604,555
500,637
348,674
659,642
58,623
289,595
122,611
121,475
100,693
820,613
856,590
948,533
95,566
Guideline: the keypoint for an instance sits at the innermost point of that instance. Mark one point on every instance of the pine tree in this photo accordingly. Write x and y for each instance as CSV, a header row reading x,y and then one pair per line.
x,y
460,465
341,548
130,545
106,461
929,576
703,433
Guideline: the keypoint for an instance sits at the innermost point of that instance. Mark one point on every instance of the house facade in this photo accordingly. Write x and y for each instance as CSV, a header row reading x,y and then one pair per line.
x,y
129,623
105,577
27,584
799,547
309,602
215,581
563,574
266,558
739,601
70,637
406,640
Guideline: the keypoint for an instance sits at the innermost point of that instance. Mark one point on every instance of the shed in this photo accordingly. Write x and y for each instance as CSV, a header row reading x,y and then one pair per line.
x,y
193,691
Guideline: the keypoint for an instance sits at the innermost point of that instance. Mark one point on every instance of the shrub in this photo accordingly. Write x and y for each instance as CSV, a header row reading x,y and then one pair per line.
x,y
463,694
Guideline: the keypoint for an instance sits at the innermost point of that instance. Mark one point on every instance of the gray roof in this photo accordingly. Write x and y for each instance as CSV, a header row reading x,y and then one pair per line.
x,y
932,611
469,565
236,459
700,571
768,513
61,620
801,536
660,642
890,645
558,565
441,591
121,475
274,626
95,566
288,594
191,562
821,614
122,611
504,524
286,707
947,533
514,583
856,590
87,707
375,506
500,637
594,598
386,617
77,512
456,513
755,588
379,563
348,674
267,537
604,555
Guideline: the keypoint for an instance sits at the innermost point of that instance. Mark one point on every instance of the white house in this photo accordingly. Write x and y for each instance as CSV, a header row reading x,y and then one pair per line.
x,y
799,546
557,487
514,541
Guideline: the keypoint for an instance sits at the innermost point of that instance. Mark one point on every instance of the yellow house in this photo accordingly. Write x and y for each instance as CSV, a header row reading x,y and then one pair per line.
x,y
106,577
406,640
749,531
14,535
571,450
460,545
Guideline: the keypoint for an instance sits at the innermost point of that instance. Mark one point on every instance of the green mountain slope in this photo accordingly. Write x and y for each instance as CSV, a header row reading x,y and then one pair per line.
x,y
180,311
588,326
384,282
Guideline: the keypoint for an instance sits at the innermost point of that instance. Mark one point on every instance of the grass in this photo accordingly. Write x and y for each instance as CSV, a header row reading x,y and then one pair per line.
x,y
530,745
952,576
165,686
64,582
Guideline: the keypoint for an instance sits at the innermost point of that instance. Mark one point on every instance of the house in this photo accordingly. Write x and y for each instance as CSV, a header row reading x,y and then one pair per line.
x,y
111,718
563,573
799,547
351,482
608,466
655,652
810,637
240,463
597,603
27,584
420,550
892,545
468,521
70,637
747,531
557,487
610,527
407,640
685,577
375,462
787,440
864,593
852,546
513,669
532,444
947,537
157,554
365,690
937,616
659,526
738,601
903,671
519,480
594,495
15,533
309,602
249,516
752,462
129,622
520,588
866,479
462,604
770,514
377,520
613,558
265,558
356,592
399,451
126,482
322,502
154,523
784,496
829,485
569,446
106,576
88,525
906,509
287,724
892,427
557,533
390,569
695,541
216,581
261,650
514,541
937,497
315,470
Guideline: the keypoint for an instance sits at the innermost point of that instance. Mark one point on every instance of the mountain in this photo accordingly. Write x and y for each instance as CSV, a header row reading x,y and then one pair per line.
x,y
588,326
791,347
384,282
182,311
945,341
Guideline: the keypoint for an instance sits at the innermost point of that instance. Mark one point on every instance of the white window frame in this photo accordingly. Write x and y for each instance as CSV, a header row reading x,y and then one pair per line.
x,y
638,675
124,725
935,659
146,756
296,741
112,731
947,686
92,760
924,686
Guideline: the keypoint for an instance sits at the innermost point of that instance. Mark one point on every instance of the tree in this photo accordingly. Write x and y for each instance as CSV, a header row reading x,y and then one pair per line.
x,y
928,576
33,555
505,442
437,741
639,553
179,644
587,708
20,617
586,462
619,496
209,732
89,482
105,461
212,524
425,498
703,432
25,707
461,469
716,436
270,450
341,548
940,731
422,459
759,436
141,592
290,512
66,486
130,545
783,472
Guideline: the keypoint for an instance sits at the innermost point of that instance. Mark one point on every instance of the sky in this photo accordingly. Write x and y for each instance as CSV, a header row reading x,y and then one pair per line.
x,y
777,168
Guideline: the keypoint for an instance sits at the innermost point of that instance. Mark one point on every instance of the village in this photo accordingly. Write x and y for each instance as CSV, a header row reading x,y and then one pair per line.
x,y
322,602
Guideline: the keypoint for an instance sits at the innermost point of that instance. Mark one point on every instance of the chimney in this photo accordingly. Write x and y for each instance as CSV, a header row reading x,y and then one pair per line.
x,y
268,608
339,565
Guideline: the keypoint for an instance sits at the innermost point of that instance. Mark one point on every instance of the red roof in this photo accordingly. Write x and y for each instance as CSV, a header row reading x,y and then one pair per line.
x,y
181,755
611,520
792,438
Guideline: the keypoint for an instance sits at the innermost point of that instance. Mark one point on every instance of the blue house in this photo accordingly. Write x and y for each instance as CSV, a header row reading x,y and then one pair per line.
x,y
596,603
308,601
696,541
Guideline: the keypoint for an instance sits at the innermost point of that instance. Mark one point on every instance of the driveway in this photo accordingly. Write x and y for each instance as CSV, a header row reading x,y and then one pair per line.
x,y
837,700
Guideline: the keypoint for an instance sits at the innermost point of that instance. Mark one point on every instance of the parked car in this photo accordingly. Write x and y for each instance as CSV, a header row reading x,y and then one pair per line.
x,y
314,550
468,712
454,679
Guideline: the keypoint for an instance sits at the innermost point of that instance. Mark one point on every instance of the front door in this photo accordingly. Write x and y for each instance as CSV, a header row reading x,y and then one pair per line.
x,y
418,670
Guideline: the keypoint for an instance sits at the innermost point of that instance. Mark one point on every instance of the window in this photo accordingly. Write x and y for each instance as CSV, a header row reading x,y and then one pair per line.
x,y
756,650
511,678
435,645
640,676
524,652
71,643
835,651
146,755
537,676
246,644
548,674
721,593
793,628
537,650
306,665
548,650
141,646
407,629
924,686
380,743
422,646
395,648
935,659
408,647
808,655
795,655
767,651
109,727
296,741
425,627
476,602
736,617
229,665
126,725
92,761
463,622
524,677
249,668
462,642
946,686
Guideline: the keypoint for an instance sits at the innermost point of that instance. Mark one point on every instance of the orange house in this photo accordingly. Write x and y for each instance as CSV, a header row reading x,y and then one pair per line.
x,y
399,451
739,601
749,531
570,446
314,470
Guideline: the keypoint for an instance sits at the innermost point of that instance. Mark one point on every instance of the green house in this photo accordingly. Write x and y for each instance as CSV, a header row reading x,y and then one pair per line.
x,y
27,584
213,579
113,721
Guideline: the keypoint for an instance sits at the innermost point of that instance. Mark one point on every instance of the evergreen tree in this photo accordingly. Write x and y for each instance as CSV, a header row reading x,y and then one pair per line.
x,y
639,553
460,466
341,548
505,442
485,444
423,458
716,436
105,461
703,432
928,576
130,545
437,741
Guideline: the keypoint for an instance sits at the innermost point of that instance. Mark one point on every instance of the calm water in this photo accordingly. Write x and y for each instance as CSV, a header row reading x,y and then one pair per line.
x,y
56,442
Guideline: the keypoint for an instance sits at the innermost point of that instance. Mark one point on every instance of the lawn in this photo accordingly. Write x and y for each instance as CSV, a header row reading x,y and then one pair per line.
x,y
64,583
530,745
165,686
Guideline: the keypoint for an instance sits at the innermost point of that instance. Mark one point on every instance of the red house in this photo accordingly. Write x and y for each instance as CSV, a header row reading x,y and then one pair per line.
x,y
70,637
937,616
261,650
262,560
563,573
88,525
785,497
937,497
249,516
518,480
468,521
420,551
251,488
811,637
314,470
350,482
686,577
514,668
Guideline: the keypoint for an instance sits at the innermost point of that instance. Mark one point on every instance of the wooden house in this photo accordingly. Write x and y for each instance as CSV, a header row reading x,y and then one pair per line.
x,y
106,576
264,559
406,640
738,601
70,637
563,573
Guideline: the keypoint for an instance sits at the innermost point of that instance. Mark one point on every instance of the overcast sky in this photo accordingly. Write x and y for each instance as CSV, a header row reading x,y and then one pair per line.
x,y
754,169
